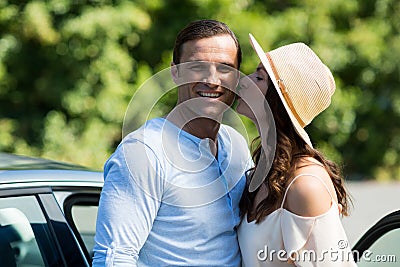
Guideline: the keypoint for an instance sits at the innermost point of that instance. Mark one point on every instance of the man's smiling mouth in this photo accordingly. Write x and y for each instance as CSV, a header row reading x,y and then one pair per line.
x,y
211,95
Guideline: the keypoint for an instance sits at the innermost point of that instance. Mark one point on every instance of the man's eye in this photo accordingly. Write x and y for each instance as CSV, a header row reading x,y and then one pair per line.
x,y
225,69
197,67
259,78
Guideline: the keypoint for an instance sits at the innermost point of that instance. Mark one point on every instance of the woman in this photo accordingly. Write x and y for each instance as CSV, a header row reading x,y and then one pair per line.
x,y
291,213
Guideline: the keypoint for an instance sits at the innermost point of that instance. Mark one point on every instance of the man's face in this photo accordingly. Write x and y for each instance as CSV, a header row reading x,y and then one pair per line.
x,y
208,75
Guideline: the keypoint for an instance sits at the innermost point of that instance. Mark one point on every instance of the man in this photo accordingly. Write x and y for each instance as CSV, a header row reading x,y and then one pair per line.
x,y
173,186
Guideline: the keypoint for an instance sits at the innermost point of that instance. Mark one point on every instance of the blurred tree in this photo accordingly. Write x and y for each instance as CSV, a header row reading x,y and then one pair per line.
x,y
68,70
67,76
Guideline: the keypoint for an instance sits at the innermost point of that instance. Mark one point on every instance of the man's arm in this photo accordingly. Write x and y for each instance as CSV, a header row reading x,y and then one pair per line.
x,y
128,204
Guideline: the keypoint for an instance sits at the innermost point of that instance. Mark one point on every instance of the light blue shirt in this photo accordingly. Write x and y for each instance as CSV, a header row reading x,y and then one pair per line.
x,y
167,201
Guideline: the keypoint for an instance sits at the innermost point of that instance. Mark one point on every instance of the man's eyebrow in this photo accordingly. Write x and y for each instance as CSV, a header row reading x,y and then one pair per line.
x,y
232,65
228,64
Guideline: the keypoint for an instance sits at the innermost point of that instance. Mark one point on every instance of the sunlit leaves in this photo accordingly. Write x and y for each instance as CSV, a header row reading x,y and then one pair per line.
x,y
111,21
38,23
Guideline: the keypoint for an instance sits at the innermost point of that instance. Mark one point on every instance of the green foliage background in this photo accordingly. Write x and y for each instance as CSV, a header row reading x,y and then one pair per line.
x,y
68,69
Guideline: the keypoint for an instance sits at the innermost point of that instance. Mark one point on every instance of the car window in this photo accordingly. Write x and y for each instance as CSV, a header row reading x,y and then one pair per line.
x,y
84,217
24,234
383,252
80,210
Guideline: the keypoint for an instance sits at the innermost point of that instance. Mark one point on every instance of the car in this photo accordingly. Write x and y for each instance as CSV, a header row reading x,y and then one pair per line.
x,y
48,211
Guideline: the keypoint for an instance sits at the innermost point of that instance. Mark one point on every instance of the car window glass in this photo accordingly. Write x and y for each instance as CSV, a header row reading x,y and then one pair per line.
x,y
84,217
383,252
18,243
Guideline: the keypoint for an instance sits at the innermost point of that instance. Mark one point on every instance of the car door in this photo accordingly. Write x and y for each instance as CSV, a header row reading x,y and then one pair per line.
x,y
33,230
379,246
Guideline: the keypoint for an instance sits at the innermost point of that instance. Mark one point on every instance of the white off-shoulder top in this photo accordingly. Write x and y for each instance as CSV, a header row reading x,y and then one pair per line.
x,y
284,237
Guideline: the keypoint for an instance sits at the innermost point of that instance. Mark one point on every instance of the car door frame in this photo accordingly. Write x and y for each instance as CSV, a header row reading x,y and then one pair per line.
x,y
78,197
386,224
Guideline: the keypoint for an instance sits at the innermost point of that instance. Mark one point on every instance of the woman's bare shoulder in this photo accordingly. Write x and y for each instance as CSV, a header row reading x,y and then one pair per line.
x,y
308,196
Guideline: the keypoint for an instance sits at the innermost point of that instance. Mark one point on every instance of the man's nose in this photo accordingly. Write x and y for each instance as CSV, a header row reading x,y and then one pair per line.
x,y
212,77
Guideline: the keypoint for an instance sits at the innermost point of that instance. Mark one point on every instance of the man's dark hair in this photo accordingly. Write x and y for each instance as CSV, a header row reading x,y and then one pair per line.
x,y
201,29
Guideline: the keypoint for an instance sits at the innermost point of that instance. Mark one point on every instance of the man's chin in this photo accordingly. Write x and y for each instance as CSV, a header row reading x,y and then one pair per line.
x,y
213,113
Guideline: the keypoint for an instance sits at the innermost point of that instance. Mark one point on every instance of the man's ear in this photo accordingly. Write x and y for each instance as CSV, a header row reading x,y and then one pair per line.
x,y
174,73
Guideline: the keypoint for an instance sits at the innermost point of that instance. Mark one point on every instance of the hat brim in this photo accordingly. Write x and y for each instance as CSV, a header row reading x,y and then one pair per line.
x,y
264,60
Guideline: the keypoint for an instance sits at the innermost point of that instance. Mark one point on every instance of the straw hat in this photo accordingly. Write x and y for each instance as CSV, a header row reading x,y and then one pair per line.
x,y
304,84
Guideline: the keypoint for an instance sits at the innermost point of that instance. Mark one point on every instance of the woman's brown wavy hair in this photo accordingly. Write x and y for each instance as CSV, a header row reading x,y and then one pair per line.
x,y
290,149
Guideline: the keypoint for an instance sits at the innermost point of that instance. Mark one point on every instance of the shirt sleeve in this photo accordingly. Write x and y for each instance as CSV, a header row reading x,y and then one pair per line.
x,y
316,241
128,205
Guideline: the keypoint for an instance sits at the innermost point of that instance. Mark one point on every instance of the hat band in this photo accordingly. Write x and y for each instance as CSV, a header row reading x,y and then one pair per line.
x,y
285,94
